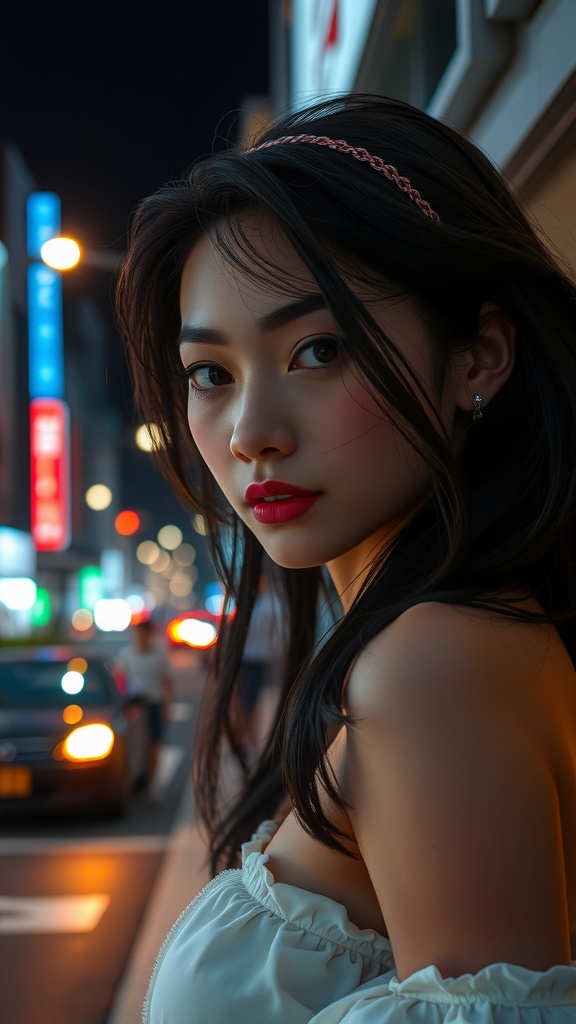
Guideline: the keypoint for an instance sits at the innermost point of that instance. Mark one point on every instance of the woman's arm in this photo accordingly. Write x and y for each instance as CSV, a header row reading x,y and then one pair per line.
x,y
453,799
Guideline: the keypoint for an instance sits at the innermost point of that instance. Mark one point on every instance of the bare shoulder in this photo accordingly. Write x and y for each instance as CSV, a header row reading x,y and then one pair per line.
x,y
459,747
435,654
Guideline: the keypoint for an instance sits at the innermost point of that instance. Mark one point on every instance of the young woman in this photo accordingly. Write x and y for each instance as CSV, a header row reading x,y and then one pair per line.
x,y
362,361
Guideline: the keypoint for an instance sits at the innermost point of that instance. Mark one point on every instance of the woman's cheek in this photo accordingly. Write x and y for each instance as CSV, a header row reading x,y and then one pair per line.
x,y
210,440
351,418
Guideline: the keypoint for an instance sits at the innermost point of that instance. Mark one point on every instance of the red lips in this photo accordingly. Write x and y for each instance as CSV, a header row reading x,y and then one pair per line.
x,y
274,488
290,502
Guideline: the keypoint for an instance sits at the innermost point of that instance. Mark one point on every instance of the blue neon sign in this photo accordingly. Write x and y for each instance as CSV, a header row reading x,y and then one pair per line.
x,y
42,220
46,350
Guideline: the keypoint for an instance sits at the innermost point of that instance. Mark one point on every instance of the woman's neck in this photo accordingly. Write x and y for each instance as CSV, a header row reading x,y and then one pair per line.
x,y
349,571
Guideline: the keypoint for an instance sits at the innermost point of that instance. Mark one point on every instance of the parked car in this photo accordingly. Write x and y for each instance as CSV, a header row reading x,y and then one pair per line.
x,y
68,736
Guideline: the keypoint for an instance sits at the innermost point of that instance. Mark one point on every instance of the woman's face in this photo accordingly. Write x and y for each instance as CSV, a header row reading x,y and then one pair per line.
x,y
295,441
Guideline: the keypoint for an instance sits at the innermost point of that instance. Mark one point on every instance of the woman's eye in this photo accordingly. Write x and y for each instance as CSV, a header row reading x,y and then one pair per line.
x,y
207,377
317,353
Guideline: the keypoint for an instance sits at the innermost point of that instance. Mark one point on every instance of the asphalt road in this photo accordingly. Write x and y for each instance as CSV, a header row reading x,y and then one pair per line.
x,y
73,890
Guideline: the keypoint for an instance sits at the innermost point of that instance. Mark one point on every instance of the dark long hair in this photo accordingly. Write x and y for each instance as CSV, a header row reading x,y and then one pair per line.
x,y
500,517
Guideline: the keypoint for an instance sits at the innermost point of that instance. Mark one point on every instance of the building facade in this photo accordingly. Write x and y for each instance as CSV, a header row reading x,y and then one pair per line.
x,y
504,71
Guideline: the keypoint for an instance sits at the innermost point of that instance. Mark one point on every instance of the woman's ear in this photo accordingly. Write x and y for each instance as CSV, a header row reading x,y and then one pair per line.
x,y
486,365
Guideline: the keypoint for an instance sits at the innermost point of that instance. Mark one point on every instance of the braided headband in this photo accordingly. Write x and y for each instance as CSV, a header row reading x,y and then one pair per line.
x,y
364,156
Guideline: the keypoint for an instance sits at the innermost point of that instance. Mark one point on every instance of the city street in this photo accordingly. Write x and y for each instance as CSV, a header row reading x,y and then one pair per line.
x,y
73,890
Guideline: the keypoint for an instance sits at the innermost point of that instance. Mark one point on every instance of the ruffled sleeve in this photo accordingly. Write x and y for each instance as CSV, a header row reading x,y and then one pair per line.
x,y
498,994
260,839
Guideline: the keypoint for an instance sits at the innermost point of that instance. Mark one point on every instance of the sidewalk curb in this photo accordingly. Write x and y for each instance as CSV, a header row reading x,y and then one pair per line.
x,y
181,876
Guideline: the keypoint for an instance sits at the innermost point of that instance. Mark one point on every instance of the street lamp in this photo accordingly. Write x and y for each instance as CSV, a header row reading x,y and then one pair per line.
x,y
63,253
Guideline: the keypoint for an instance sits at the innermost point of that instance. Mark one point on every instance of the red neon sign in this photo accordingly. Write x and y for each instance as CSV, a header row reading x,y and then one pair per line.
x,y
50,473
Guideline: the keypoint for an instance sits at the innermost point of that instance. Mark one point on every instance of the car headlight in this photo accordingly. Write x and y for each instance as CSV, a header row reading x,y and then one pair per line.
x,y
87,743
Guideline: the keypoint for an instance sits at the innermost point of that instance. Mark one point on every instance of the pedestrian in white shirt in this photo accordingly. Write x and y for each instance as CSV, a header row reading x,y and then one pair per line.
x,y
145,665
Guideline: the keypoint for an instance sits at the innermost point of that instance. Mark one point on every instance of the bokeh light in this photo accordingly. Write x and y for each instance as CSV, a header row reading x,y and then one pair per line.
x,y
148,437
199,524
184,554
77,665
98,497
72,714
192,632
18,593
112,614
170,537
127,522
42,609
72,682
136,603
147,552
82,619
180,585
161,563
214,603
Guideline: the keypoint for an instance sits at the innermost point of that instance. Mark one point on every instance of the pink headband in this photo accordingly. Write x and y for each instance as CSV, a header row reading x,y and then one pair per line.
x,y
363,155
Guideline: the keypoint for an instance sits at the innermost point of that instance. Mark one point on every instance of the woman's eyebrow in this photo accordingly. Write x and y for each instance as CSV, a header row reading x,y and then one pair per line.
x,y
292,311
269,322
207,334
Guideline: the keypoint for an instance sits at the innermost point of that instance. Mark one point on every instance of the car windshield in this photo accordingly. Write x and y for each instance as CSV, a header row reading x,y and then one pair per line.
x,y
53,684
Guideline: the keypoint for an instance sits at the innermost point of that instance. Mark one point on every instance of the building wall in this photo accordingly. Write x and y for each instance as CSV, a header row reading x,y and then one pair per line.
x,y
541,62
551,199
502,70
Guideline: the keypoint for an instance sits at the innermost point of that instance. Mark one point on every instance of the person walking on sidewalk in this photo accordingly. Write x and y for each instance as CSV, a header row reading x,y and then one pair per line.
x,y
145,665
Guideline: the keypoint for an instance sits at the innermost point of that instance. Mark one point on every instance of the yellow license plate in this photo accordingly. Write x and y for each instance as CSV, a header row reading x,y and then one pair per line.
x,y
15,782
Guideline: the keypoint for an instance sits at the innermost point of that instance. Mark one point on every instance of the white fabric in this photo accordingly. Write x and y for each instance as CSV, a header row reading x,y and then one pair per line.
x,y
251,951
499,994
248,951
144,671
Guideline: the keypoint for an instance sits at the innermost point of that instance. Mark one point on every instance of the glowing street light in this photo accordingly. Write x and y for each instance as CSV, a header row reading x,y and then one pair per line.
x,y
63,253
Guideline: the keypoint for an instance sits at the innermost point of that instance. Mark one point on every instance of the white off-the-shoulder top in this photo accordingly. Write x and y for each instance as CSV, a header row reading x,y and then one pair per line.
x,y
251,951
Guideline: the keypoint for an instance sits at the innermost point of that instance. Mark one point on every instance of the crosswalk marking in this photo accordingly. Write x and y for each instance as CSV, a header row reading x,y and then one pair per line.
x,y
51,914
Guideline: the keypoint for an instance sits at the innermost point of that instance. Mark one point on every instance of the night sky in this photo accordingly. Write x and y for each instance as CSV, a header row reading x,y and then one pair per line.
x,y
107,102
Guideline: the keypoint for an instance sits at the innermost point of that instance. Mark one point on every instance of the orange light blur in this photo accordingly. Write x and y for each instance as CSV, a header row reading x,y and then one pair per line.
x,y
127,523
197,631
72,714
87,743
78,665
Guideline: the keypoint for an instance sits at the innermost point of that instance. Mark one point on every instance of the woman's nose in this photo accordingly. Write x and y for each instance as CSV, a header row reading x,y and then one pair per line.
x,y
262,428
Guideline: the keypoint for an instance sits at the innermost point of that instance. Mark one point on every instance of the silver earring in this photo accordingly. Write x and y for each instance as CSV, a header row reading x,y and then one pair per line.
x,y
477,414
